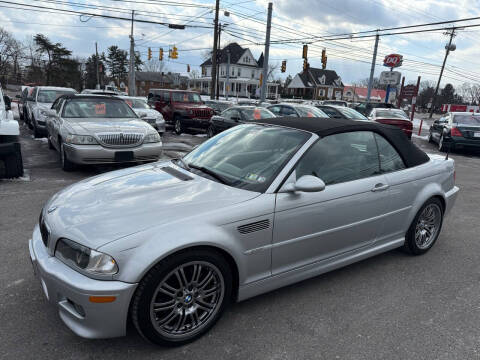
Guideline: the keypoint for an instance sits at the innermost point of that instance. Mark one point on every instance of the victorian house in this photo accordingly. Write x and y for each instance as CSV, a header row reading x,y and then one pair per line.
x,y
244,79
316,83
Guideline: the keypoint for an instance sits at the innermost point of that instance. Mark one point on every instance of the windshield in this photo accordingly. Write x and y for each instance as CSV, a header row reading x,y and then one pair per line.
x,y
49,96
137,103
186,97
248,156
219,106
310,111
97,108
351,114
395,114
467,119
257,113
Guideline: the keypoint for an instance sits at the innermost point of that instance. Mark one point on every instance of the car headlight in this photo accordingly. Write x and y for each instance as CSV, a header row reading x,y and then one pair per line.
x,y
83,258
81,140
160,120
152,138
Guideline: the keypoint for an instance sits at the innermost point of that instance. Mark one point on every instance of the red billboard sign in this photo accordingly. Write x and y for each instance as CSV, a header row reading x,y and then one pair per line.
x,y
393,60
409,91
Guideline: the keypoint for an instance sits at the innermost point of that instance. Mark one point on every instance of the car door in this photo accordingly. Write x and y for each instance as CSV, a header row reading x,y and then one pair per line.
x,y
345,216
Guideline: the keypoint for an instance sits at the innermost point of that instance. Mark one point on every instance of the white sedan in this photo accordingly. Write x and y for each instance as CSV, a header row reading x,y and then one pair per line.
x,y
146,113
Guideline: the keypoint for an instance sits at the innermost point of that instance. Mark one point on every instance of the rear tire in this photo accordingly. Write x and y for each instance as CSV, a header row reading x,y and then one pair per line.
x,y
178,125
441,144
425,228
430,139
182,297
50,145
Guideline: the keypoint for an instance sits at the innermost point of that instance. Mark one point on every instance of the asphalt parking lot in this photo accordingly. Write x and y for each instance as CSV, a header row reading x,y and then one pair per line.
x,y
391,306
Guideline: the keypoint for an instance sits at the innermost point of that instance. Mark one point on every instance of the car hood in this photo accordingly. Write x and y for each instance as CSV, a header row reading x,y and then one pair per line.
x,y
113,205
151,113
89,126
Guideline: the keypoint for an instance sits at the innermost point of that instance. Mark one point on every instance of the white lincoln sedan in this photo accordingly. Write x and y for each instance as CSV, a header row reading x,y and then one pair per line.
x,y
97,129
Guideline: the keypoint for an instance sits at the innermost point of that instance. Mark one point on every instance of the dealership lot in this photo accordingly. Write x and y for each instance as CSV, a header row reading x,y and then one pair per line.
x,y
390,306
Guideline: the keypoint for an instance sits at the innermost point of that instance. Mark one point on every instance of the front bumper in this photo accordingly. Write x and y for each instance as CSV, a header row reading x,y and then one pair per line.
x,y
450,198
67,289
196,123
157,125
97,154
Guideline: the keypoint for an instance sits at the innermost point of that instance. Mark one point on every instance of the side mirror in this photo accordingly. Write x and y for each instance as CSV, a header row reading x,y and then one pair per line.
x,y
8,102
307,183
142,115
49,112
235,118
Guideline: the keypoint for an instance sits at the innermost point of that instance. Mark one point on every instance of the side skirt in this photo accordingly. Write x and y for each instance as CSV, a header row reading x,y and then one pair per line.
x,y
314,269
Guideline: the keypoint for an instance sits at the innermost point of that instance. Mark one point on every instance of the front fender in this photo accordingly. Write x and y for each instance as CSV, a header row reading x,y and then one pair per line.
x,y
430,190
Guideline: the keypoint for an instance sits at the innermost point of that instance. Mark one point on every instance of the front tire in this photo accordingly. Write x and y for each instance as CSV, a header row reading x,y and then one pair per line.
x,y
182,297
425,228
441,144
67,165
210,132
430,138
36,132
178,125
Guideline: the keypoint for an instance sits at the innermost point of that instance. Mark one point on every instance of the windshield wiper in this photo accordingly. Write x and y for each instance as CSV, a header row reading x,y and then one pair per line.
x,y
180,160
211,173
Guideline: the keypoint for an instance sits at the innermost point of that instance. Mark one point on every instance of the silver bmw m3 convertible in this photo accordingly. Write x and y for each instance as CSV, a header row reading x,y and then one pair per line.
x,y
255,208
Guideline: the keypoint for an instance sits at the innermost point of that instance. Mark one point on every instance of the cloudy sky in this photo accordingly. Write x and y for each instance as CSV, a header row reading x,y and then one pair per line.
x,y
292,19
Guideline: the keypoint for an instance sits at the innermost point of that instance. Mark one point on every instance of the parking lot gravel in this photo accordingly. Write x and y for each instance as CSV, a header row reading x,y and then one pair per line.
x,y
391,306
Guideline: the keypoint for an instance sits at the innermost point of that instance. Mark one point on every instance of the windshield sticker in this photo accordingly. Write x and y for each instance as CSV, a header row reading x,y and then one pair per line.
x,y
309,114
185,97
256,114
261,179
252,177
129,102
100,109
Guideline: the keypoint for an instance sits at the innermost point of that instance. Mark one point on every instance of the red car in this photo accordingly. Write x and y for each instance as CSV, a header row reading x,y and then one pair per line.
x,y
181,108
394,117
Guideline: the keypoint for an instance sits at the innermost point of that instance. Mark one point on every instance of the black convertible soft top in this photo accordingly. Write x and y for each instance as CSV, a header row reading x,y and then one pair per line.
x,y
411,154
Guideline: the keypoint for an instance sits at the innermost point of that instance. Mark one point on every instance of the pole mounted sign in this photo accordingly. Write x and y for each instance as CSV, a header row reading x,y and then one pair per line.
x,y
393,60
390,78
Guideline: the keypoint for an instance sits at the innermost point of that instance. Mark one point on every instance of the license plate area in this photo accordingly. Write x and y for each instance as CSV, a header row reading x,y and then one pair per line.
x,y
122,156
476,134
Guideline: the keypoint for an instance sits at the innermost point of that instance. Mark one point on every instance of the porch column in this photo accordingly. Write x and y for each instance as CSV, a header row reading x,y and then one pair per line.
x,y
276,91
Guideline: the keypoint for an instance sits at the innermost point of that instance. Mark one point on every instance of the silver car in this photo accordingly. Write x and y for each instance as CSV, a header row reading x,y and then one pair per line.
x,y
39,100
255,208
146,112
97,129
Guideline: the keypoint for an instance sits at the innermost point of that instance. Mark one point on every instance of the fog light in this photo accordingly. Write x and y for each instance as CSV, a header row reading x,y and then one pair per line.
x,y
78,308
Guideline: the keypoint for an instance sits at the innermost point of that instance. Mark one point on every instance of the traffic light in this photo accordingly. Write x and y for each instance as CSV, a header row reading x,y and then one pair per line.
x,y
305,51
305,65
284,66
174,53
261,79
188,68
324,59
149,54
160,54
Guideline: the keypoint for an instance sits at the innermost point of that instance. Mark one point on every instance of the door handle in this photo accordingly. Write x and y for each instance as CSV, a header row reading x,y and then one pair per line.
x,y
380,187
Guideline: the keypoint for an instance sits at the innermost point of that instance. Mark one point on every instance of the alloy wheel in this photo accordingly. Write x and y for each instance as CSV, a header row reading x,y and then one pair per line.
x,y
178,126
186,299
428,225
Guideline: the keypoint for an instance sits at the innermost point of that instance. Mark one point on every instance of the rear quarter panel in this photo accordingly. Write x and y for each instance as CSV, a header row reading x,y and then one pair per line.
x,y
411,188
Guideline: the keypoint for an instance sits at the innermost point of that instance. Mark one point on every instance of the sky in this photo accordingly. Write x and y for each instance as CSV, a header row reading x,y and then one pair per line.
x,y
245,23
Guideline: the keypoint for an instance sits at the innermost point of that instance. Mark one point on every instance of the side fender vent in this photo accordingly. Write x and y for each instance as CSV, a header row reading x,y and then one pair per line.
x,y
252,227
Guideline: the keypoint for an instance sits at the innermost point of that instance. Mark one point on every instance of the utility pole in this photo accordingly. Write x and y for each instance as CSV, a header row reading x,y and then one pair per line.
x,y
372,69
264,88
219,46
96,66
227,86
214,52
131,77
448,48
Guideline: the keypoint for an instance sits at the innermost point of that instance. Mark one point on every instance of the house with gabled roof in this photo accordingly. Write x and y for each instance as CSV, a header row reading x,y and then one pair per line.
x,y
244,77
315,83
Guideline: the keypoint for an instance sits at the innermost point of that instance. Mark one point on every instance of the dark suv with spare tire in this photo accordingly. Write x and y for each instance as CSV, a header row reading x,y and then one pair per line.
x,y
181,108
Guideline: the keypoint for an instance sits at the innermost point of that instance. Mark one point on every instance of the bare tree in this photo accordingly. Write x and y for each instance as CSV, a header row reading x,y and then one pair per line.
x,y
272,70
470,93
10,53
154,65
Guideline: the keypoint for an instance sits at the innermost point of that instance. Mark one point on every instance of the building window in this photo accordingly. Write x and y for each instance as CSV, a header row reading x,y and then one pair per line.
x,y
222,70
253,74
239,71
321,92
